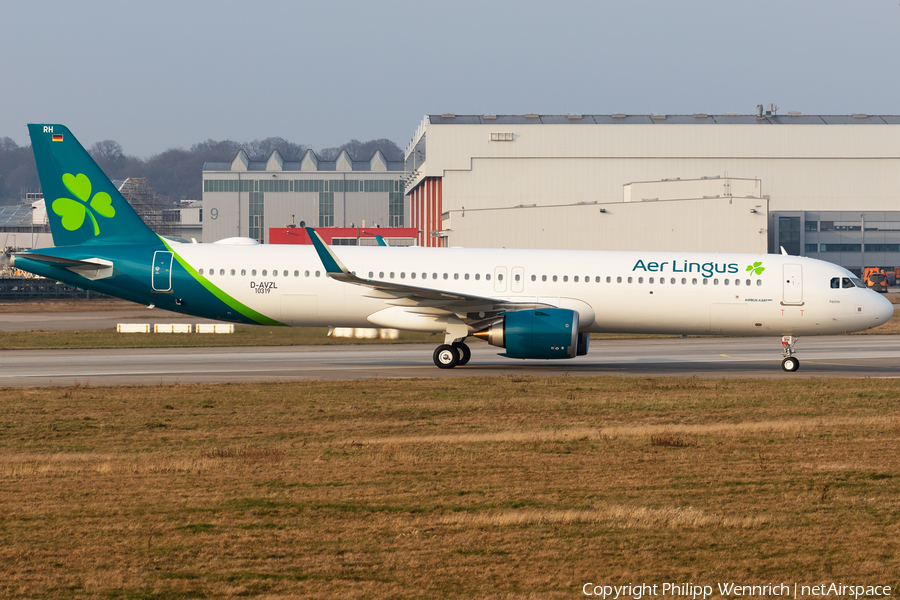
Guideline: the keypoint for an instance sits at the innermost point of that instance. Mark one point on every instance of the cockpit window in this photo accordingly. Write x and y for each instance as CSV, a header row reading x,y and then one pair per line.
x,y
846,283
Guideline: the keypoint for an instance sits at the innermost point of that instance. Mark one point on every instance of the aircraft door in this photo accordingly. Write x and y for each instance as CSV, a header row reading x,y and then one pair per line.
x,y
500,279
161,277
517,281
792,284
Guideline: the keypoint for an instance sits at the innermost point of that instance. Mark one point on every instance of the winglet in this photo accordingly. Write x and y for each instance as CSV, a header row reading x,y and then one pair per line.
x,y
332,263
380,240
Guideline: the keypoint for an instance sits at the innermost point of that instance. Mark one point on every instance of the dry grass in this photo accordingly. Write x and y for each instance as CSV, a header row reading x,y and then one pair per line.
x,y
70,305
507,487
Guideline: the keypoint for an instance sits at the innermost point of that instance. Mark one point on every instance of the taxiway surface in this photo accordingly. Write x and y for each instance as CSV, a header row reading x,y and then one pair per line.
x,y
827,356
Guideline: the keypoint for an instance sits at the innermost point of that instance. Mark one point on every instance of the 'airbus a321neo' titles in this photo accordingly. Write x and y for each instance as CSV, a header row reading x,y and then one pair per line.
x,y
536,304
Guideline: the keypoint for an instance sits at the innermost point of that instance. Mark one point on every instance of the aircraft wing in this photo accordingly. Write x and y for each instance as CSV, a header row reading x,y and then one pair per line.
x,y
400,294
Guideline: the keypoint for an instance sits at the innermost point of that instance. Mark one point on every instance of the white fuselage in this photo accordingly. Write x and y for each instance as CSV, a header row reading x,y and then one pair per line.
x,y
638,292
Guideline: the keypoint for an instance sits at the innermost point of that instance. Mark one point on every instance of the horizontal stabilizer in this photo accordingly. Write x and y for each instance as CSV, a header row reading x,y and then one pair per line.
x,y
90,268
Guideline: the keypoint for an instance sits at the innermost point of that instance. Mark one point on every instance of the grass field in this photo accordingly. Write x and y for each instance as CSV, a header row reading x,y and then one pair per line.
x,y
495,488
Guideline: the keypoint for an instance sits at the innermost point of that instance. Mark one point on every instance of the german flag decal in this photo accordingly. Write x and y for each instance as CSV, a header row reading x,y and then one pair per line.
x,y
57,137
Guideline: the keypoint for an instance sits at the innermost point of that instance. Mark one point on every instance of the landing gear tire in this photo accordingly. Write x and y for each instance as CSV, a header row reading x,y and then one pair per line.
x,y
446,356
790,364
464,353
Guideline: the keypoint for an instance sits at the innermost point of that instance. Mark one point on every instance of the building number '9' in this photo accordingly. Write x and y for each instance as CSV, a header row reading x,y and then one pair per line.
x,y
214,213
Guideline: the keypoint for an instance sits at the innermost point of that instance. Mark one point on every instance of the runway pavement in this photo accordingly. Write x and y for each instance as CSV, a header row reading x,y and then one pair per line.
x,y
830,356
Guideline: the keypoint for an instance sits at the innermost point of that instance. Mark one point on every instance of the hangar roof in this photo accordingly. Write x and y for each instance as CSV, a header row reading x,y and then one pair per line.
x,y
695,119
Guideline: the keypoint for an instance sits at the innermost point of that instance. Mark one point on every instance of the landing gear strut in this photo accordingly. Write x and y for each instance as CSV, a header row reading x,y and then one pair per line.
x,y
790,362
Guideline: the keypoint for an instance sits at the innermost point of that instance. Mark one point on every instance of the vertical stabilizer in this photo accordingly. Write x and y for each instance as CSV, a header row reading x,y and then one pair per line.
x,y
83,206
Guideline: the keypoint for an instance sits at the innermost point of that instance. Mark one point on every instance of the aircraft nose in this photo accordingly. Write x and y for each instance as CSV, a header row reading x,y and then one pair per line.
x,y
883,310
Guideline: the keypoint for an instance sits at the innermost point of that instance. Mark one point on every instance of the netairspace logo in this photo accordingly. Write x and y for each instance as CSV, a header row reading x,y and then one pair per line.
x,y
696,591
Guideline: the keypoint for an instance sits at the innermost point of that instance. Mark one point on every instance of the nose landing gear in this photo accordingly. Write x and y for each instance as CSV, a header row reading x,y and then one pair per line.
x,y
447,356
790,362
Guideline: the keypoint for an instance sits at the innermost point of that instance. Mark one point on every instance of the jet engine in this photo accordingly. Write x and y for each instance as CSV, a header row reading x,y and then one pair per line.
x,y
541,333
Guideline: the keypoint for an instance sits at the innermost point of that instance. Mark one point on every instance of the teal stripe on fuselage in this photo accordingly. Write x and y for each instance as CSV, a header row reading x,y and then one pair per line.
x,y
132,280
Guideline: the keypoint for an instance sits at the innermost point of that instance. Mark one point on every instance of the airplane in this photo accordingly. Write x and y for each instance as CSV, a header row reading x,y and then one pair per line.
x,y
536,304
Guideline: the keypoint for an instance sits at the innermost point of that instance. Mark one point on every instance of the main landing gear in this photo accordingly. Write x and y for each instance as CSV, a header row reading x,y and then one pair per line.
x,y
447,356
790,362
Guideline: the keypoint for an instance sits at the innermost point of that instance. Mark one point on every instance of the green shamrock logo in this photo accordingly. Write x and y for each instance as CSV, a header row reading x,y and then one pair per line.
x,y
73,212
756,268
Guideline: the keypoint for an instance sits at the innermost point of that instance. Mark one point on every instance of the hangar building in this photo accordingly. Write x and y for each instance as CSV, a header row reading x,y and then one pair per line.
x,y
821,186
244,198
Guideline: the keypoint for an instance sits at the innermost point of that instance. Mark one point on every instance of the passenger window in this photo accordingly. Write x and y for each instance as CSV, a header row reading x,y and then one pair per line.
x,y
477,276
424,275
243,272
253,273
759,282
446,276
629,280
487,277
403,274
306,273
705,281
264,272
747,282
565,278
534,277
640,280
274,273
726,282
500,276
715,282
554,278
598,279
609,279
221,271
381,275
318,273
618,280
297,274
672,281
286,273
662,280
411,275
371,274
543,278
737,282
684,281
392,274
456,276
201,273
650,280
575,279
466,276
232,271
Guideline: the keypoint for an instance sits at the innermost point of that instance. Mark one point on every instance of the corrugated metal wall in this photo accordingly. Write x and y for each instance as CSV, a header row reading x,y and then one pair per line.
x,y
425,210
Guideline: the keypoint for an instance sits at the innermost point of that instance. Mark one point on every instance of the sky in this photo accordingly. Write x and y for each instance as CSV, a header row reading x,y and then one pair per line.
x,y
167,74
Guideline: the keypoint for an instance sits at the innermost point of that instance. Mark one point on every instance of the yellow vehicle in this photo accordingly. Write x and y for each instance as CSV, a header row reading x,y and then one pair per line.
x,y
876,279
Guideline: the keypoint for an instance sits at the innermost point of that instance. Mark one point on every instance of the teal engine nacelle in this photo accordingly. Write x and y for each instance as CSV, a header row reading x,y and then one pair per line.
x,y
541,333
